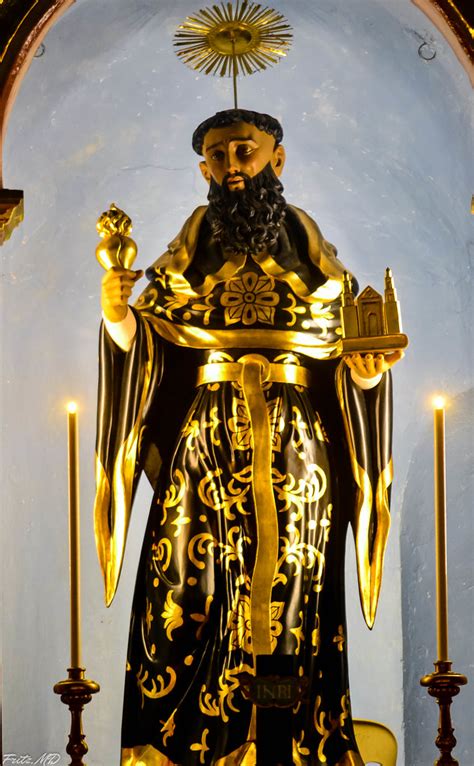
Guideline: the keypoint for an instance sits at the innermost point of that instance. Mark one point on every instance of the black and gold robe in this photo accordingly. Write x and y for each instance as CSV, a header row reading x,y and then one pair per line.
x,y
195,611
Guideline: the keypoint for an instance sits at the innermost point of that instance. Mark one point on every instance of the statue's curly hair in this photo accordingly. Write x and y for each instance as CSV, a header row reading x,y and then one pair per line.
x,y
264,122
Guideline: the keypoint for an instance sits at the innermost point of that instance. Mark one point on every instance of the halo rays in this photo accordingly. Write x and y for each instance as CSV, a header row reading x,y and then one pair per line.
x,y
233,38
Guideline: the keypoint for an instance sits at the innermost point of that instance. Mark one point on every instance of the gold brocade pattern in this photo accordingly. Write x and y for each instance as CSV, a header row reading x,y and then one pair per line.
x,y
240,427
249,299
232,306
187,546
244,756
159,686
326,724
242,551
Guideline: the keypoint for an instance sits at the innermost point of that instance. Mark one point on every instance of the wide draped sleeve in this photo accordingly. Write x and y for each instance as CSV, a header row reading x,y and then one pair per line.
x,y
367,418
128,383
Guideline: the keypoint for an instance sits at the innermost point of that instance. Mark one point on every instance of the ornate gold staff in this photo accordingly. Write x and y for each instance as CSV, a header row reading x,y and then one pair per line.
x,y
233,38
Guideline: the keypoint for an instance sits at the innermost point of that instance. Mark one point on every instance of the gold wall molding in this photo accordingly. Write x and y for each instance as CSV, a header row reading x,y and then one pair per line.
x,y
23,25
11,212
455,20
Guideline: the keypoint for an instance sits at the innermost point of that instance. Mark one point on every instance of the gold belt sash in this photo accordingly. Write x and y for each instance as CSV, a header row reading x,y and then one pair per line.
x,y
252,371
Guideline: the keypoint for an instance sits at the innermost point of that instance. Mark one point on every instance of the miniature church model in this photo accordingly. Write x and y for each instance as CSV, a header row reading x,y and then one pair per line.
x,y
371,323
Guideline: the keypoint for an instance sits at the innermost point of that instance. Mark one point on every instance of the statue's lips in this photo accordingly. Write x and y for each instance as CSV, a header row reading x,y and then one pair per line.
x,y
235,181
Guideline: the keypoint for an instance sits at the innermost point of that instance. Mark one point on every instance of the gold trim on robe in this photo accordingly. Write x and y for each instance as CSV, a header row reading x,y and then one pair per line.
x,y
287,340
182,249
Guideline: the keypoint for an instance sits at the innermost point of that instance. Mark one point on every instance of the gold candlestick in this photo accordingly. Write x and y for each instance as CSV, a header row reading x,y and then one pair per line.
x,y
76,691
440,528
74,534
443,684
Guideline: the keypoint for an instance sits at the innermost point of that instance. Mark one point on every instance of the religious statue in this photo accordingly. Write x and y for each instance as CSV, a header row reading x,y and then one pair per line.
x,y
227,385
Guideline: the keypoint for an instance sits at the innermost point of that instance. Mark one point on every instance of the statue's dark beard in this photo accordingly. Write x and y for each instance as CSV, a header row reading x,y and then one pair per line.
x,y
247,220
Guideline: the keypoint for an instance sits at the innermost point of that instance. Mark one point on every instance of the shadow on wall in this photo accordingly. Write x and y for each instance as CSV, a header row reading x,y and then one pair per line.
x,y
419,584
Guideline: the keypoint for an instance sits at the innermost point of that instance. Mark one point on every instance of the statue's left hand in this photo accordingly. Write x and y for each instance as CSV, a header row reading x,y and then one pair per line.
x,y
369,365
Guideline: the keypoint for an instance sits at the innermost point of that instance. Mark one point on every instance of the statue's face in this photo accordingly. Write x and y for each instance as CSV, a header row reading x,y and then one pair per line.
x,y
239,148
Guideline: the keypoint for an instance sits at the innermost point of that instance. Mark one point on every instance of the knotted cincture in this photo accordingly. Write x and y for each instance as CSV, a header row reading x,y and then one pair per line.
x,y
252,372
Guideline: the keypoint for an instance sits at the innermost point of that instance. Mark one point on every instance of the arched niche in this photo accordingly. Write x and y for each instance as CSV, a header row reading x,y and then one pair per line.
x,y
377,154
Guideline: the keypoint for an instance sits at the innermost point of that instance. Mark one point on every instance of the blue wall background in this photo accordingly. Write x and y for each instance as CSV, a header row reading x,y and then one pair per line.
x,y
379,152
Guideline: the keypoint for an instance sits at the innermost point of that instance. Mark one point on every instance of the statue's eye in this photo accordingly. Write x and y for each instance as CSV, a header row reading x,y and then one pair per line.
x,y
217,156
244,150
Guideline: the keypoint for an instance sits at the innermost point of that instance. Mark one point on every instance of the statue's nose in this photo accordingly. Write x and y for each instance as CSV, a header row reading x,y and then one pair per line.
x,y
233,168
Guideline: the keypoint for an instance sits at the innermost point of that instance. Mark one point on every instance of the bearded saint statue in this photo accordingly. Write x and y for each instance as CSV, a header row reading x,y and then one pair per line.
x,y
225,383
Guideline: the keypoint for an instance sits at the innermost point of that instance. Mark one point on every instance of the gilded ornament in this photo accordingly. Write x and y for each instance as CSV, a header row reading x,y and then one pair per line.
x,y
240,427
168,729
298,633
208,705
172,615
250,299
316,637
339,638
276,627
202,618
233,38
161,557
159,687
299,555
180,521
299,493
233,549
149,615
213,424
227,499
174,303
325,523
201,747
174,494
203,544
191,431
300,427
294,309
117,248
326,729
238,623
207,307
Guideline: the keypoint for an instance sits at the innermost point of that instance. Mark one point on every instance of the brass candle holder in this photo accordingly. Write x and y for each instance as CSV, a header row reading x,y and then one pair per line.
x,y
443,685
76,691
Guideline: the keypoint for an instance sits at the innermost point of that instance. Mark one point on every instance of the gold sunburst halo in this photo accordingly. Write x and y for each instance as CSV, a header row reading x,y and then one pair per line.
x,y
233,38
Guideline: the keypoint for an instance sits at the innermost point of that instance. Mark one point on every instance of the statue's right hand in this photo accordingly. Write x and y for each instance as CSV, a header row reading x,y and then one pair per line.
x,y
117,286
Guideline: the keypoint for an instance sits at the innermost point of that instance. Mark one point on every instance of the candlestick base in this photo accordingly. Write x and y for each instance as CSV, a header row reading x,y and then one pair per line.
x,y
76,691
443,684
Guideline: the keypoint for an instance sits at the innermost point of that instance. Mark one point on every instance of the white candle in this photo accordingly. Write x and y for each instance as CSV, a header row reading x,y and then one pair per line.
x,y
440,528
74,534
